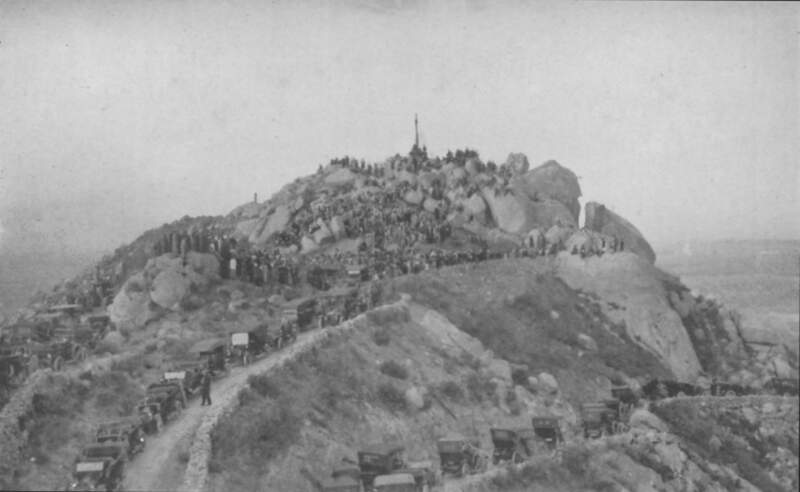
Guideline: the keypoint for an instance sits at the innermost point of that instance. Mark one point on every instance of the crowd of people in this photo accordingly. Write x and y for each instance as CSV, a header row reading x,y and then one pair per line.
x,y
397,237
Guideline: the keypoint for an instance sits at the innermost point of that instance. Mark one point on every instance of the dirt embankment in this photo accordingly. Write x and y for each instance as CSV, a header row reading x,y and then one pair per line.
x,y
409,377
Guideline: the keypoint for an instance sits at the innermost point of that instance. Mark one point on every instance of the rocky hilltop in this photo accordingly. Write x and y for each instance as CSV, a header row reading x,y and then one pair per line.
x,y
495,306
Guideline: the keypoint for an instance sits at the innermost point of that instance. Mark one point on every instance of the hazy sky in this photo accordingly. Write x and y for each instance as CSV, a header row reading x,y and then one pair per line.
x,y
119,116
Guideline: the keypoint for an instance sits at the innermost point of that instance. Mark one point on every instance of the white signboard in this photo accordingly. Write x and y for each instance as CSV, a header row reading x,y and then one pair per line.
x,y
238,339
174,375
89,466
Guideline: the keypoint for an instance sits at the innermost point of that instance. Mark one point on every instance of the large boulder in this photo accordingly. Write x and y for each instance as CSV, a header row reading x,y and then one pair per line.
x,y
518,162
600,219
276,222
414,197
427,179
337,227
307,244
131,305
408,177
323,235
517,213
558,233
455,175
246,227
475,207
430,204
340,177
169,288
473,166
554,181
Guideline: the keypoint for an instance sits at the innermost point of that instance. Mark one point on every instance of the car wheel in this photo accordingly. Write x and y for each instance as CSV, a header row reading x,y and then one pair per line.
x,y
730,393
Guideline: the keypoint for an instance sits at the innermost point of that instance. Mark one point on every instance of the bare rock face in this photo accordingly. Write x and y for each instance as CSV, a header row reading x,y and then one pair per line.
x,y
131,305
164,284
600,219
518,162
276,222
307,244
169,288
340,177
518,214
414,197
554,181
649,319
337,227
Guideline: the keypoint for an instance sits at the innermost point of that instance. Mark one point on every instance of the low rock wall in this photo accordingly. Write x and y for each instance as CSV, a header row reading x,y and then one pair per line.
x,y
13,423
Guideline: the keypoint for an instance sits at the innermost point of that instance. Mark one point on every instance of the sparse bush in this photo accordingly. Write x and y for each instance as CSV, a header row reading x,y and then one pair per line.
x,y
576,460
391,396
214,466
394,369
381,337
480,387
520,377
264,385
451,390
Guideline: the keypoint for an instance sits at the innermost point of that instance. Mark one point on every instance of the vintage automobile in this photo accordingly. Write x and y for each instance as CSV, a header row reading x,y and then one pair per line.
x,y
513,445
548,430
728,389
300,311
171,396
13,368
358,273
661,388
458,456
213,349
597,420
151,414
783,386
128,432
396,482
625,394
324,275
380,459
99,467
248,343
342,483
190,375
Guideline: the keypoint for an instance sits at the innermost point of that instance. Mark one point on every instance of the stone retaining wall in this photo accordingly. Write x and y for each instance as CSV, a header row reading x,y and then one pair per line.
x,y
13,432
226,399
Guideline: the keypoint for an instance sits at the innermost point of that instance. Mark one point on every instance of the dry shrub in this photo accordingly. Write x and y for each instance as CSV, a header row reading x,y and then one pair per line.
x,y
381,337
392,396
394,370
451,390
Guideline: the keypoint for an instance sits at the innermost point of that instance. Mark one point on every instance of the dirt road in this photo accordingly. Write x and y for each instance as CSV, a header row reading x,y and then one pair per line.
x,y
163,463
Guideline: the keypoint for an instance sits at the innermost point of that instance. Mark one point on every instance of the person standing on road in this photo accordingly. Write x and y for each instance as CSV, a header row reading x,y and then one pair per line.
x,y
206,389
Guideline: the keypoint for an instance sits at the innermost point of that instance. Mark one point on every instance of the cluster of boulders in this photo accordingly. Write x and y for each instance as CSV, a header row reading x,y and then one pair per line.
x,y
166,283
512,205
